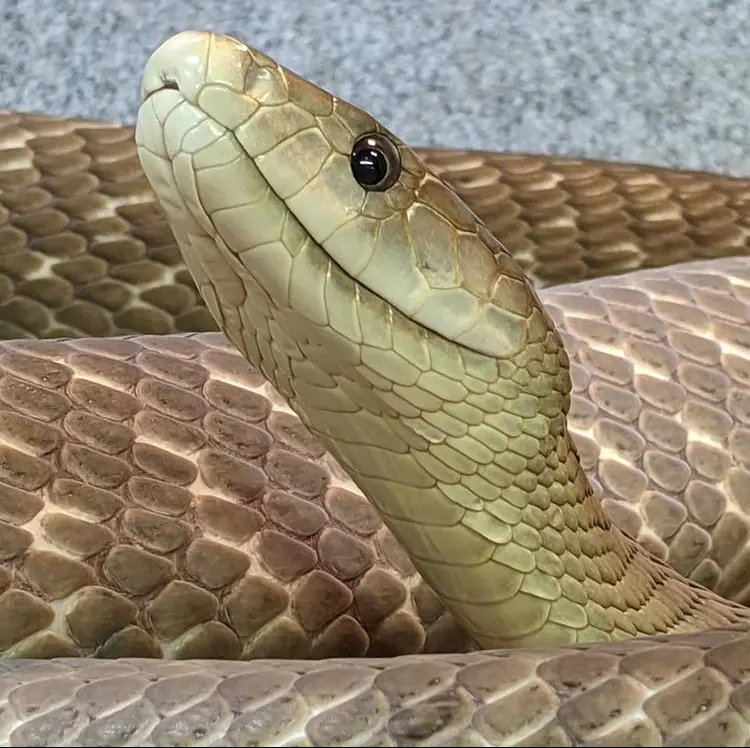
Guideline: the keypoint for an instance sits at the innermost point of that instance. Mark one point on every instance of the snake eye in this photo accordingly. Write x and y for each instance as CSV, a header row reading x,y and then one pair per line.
x,y
375,162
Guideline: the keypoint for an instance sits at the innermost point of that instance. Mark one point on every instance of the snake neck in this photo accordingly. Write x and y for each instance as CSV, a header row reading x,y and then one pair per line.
x,y
477,476
469,460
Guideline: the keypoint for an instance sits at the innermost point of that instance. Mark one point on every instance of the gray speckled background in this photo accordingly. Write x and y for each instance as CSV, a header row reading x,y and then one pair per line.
x,y
663,82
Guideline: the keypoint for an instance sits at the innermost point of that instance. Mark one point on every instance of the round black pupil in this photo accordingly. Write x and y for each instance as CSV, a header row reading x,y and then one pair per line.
x,y
370,165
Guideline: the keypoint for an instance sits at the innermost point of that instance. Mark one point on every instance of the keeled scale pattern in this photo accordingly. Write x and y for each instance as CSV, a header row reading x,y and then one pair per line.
x,y
84,249
631,693
157,499
572,219
661,410
592,697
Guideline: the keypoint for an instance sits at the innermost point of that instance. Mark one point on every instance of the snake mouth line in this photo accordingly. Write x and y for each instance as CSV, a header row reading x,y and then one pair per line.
x,y
416,246
336,267
229,255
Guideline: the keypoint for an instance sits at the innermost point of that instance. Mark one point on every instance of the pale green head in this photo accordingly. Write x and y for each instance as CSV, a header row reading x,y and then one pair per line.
x,y
281,175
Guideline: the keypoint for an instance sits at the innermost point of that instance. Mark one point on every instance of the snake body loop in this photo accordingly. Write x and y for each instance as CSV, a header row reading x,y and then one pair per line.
x,y
159,498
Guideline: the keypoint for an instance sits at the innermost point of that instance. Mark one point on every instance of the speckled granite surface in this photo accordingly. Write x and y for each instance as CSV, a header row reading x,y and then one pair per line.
x,y
664,82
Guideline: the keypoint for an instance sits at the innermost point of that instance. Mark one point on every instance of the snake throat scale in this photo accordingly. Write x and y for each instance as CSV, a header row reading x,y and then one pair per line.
x,y
384,488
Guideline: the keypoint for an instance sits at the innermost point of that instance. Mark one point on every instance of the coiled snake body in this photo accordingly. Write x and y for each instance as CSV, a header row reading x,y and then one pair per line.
x,y
159,498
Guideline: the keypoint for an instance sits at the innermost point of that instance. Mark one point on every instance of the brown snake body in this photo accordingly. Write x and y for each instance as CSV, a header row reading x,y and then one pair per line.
x,y
159,499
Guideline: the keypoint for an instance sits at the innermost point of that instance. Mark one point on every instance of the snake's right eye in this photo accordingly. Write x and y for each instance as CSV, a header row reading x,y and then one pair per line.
x,y
375,162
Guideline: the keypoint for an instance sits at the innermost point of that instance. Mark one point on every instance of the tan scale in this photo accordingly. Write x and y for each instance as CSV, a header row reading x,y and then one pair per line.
x,y
462,305
159,499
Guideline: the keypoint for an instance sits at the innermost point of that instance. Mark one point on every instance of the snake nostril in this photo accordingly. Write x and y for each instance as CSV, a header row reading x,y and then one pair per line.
x,y
158,83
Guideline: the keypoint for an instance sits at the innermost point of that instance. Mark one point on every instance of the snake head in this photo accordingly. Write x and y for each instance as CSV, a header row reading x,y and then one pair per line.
x,y
285,179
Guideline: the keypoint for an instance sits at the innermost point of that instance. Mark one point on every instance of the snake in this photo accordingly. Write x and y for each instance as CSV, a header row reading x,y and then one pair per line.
x,y
308,437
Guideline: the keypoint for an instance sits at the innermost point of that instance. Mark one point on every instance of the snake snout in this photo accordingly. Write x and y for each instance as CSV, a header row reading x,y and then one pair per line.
x,y
179,63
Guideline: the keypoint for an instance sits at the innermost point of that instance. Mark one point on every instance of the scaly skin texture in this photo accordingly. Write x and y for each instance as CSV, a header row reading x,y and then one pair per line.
x,y
659,414
193,514
87,251
409,341
89,271
686,691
